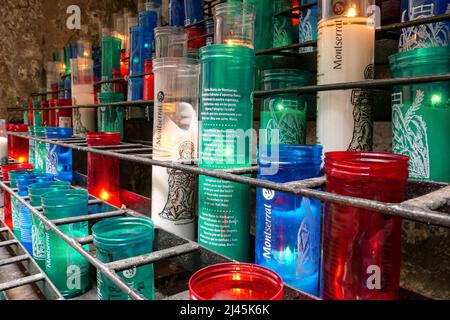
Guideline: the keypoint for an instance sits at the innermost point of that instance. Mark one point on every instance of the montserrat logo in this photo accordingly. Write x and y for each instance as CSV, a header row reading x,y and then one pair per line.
x,y
73,277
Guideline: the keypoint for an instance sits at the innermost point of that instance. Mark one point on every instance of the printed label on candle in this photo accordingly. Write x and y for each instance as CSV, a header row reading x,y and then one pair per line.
x,y
51,162
38,234
223,218
65,122
345,54
175,138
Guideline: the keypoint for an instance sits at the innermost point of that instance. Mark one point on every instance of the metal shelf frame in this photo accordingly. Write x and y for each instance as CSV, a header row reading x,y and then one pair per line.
x,y
424,208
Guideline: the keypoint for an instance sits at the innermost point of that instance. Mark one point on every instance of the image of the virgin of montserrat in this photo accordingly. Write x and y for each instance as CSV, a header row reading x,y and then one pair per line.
x,y
180,205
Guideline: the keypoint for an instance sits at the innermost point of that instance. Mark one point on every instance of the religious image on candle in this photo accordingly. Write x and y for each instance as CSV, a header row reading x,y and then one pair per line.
x,y
346,42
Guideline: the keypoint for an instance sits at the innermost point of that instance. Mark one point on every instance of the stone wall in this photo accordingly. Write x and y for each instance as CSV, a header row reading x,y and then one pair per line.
x,y
31,30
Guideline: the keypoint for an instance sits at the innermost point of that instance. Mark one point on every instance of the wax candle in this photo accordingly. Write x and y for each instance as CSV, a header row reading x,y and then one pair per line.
x,y
67,269
122,238
58,160
421,113
287,238
175,138
82,93
170,42
7,210
235,281
426,35
362,248
226,124
3,143
234,24
346,42
308,25
104,172
283,116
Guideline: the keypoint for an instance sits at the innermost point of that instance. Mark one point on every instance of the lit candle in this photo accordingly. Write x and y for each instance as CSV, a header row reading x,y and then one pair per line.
x,y
235,281
3,143
346,41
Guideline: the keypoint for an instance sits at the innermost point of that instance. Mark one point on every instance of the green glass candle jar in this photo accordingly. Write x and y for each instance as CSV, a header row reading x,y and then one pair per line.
x,y
67,269
226,88
122,238
111,48
32,147
421,113
283,116
40,150
110,119
35,192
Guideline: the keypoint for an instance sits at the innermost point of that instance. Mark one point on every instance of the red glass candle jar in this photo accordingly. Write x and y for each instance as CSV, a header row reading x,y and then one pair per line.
x,y
104,172
119,86
54,87
123,64
235,281
30,113
18,147
199,42
149,81
44,108
51,114
63,116
6,196
361,248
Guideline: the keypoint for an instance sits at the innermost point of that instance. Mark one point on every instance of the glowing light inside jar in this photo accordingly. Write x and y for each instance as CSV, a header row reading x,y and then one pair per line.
x,y
234,42
351,12
104,195
22,159
436,99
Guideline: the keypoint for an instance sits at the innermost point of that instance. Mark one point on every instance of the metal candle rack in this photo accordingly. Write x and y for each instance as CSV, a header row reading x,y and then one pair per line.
x,y
429,202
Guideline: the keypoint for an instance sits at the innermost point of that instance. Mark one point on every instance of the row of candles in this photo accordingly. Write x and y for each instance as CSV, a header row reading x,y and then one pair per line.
x,y
224,206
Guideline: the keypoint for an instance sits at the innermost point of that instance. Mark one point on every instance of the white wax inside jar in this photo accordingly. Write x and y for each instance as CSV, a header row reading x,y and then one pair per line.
x,y
3,149
345,54
83,119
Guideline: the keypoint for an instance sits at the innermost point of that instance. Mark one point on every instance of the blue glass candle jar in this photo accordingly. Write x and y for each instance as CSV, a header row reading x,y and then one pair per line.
x,y
287,226
22,183
193,11
176,13
59,159
148,20
308,25
135,85
427,35
15,204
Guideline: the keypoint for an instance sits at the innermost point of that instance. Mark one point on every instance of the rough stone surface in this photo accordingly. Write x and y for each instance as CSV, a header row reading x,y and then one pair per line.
x,y
31,30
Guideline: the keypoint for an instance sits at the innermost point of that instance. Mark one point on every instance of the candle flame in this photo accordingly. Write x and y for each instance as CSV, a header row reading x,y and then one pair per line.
x,y
104,195
22,159
351,12
234,42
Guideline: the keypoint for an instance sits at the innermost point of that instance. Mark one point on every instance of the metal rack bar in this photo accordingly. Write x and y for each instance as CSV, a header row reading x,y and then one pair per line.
x,y
19,255
301,188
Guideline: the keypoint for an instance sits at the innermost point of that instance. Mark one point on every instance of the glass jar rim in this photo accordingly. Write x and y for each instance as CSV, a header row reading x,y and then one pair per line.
x,y
226,7
110,97
64,198
42,186
114,231
102,138
412,58
61,132
215,272
292,154
220,51
180,63
370,165
168,30
6,169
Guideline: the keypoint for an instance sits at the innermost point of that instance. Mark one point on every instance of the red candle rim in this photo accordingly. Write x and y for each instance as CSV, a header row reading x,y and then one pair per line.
x,y
357,165
102,138
6,169
219,271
